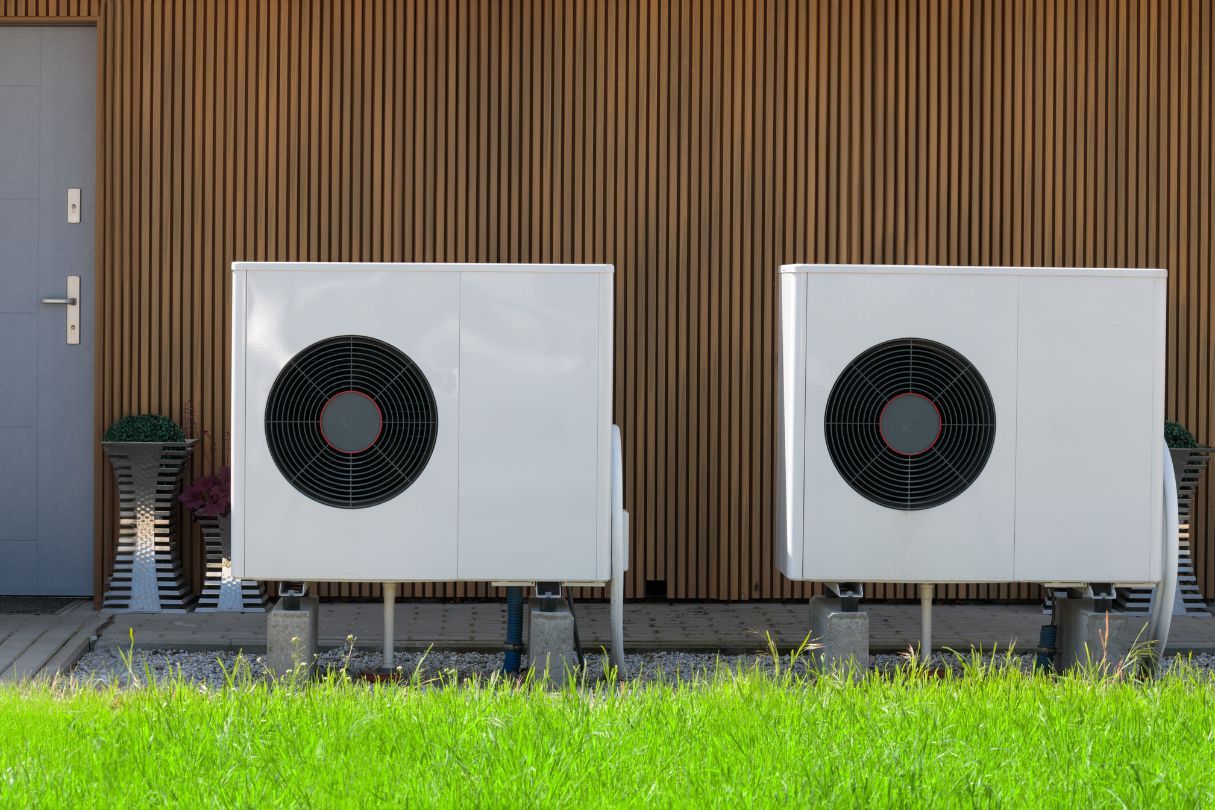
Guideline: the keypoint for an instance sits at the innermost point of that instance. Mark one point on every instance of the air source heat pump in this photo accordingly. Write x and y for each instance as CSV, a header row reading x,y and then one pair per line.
x,y
412,422
969,424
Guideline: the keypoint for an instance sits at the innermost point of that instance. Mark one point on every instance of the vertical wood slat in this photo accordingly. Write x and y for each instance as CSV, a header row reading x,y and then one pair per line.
x,y
696,146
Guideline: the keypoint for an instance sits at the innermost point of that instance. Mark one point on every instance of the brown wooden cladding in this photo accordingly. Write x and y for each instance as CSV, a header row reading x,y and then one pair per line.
x,y
695,145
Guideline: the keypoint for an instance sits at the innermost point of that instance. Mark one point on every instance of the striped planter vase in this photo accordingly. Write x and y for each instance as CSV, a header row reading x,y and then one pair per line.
x,y
148,576
1188,465
221,591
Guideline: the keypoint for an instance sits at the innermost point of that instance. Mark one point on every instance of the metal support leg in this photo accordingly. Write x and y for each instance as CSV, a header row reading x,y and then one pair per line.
x,y
926,593
390,598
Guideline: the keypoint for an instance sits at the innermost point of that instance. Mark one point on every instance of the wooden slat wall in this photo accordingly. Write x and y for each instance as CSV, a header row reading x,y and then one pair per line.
x,y
695,145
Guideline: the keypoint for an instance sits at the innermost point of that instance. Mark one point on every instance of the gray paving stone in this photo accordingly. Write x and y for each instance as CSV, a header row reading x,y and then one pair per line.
x,y
686,626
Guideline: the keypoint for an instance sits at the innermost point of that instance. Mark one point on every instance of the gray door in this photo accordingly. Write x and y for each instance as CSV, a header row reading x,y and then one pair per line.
x,y
47,122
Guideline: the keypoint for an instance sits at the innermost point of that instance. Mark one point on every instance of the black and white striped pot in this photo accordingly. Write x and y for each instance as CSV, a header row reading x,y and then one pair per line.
x,y
222,592
148,576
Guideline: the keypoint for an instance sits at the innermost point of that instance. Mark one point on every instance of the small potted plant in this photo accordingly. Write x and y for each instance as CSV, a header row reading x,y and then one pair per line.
x,y
209,498
147,453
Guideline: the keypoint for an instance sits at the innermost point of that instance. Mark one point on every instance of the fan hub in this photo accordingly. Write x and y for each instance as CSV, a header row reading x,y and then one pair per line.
x,y
910,424
351,422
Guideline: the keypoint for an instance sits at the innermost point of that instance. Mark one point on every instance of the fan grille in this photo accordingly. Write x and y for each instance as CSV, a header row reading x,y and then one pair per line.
x,y
910,424
379,412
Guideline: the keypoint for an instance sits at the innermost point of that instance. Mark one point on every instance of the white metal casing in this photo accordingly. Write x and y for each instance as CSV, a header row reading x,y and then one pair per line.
x,y
1074,360
519,358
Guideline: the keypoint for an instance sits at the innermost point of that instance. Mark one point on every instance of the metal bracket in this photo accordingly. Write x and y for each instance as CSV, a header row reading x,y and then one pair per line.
x,y
1102,594
849,593
548,589
548,596
290,593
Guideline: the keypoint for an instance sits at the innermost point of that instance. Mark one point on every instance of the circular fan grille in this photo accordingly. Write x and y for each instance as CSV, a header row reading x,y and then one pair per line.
x,y
910,424
351,421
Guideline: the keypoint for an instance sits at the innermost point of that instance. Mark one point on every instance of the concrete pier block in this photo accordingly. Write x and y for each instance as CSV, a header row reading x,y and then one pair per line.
x,y
291,638
1088,636
550,641
844,637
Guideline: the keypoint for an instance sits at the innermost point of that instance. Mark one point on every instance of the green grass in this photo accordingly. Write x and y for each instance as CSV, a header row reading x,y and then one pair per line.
x,y
990,738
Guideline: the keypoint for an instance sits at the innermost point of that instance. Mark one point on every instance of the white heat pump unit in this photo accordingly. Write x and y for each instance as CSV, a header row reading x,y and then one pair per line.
x,y
412,422
971,424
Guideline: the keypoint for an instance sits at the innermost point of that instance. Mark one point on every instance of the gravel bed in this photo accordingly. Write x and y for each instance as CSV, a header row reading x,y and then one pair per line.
x,y
1203,661
105,665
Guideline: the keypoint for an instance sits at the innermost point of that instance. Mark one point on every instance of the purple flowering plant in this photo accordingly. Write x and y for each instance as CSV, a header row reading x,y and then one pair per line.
x,y
210,495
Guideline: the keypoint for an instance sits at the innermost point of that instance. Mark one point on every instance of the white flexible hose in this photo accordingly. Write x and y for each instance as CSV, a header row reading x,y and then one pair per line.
x,y
620,550
1166,592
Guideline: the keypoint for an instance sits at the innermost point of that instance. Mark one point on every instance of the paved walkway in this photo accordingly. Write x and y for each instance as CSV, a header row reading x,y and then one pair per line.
x,y
46,644
686,626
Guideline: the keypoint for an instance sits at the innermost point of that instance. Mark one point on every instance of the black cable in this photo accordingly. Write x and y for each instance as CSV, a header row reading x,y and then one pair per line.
x,y
569,600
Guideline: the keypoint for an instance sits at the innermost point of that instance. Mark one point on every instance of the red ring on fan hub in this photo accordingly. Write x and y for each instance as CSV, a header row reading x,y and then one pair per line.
x,y
345,401
904,399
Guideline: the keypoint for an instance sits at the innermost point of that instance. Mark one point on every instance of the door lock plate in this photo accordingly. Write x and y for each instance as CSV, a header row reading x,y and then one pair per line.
x,y
72,304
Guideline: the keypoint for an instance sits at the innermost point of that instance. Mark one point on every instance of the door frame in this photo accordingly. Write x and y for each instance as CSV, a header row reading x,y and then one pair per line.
x,y
100,182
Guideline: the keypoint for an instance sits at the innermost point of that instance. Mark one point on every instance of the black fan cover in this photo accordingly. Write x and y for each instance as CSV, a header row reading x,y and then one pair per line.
x,y
910,424
351,421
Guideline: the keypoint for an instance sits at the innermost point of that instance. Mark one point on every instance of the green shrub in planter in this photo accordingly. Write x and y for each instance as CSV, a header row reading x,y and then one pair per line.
x,y
1175,435
145,427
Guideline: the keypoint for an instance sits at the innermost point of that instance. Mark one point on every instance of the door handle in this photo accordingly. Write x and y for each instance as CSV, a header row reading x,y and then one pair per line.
x,y
72,302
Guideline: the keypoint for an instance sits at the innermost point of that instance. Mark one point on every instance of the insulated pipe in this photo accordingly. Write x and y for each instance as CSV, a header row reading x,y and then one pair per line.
x,y
620,550
1161,619
512,657
926,591
390,598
